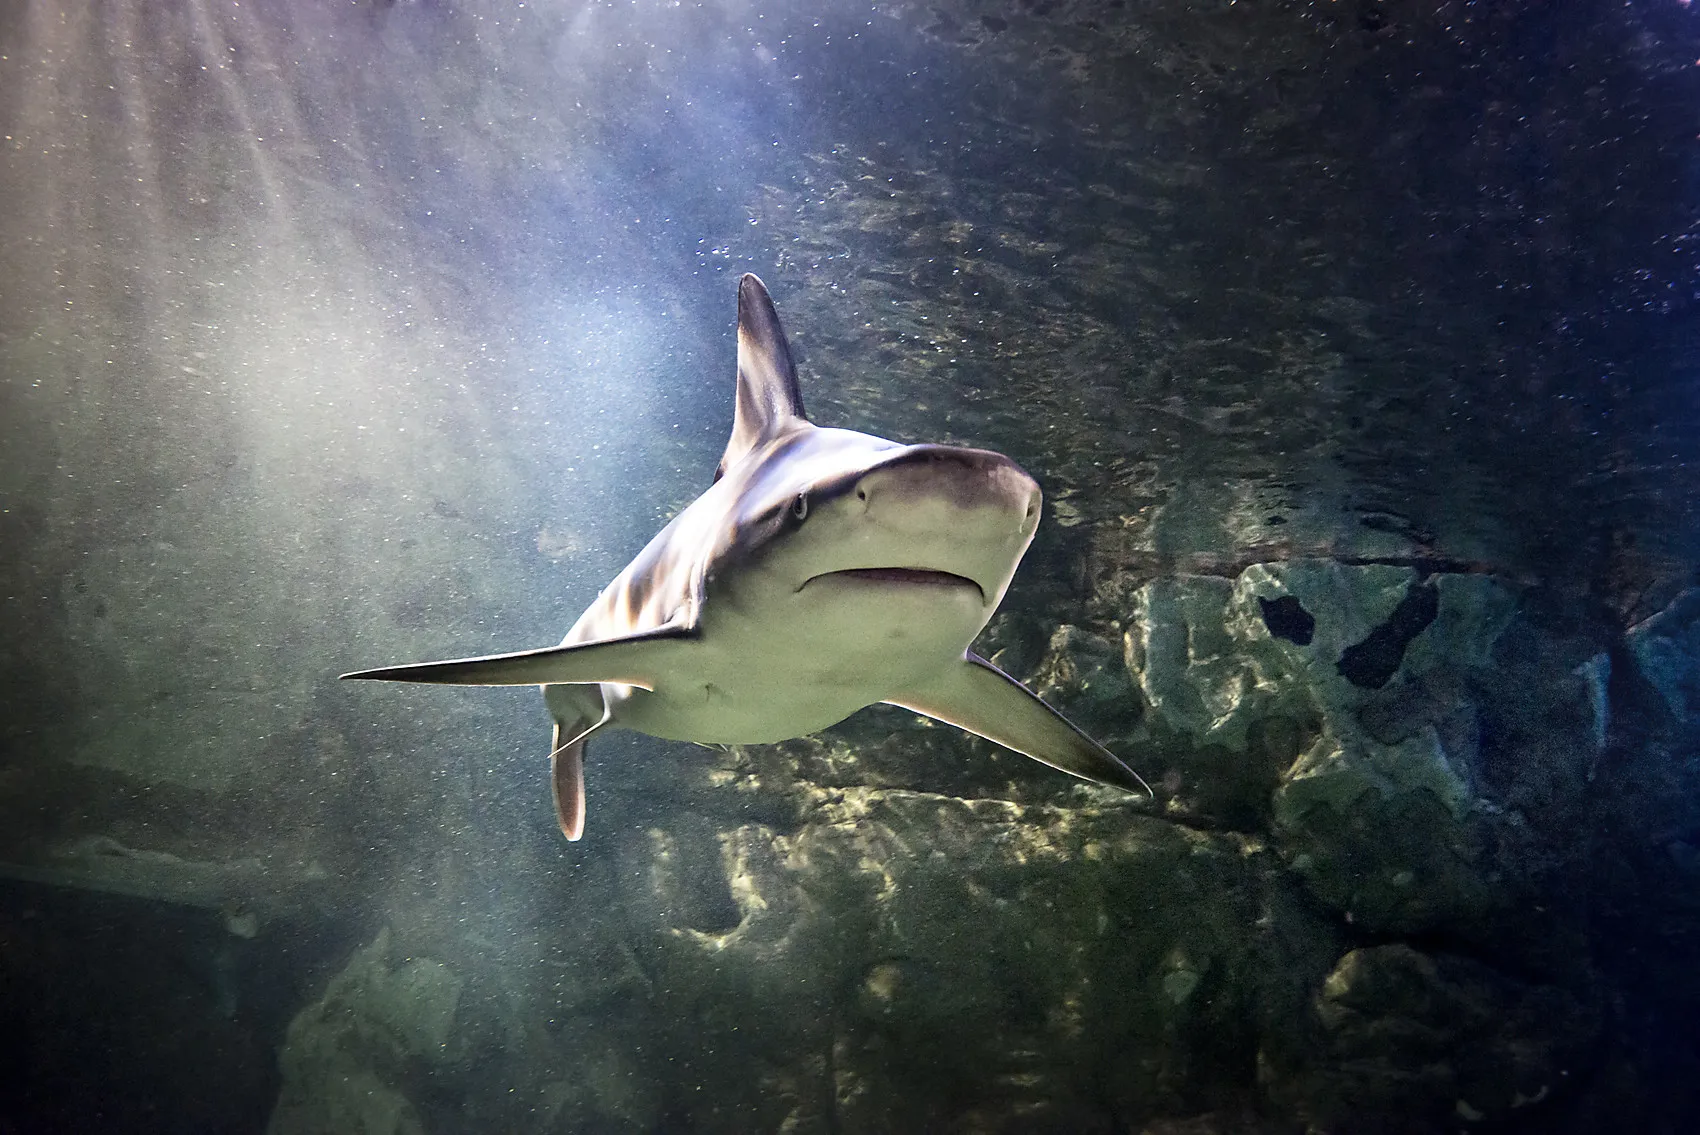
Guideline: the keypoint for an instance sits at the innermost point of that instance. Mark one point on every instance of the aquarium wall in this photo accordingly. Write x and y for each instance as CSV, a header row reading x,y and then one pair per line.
x,y
1353,345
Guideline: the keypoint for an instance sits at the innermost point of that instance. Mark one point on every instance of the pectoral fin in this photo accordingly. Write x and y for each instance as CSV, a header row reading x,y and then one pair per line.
x,y
566,771
977,696
631,660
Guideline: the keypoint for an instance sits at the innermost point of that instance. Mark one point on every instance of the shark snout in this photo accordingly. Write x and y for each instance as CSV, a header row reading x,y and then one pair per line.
x,y
942,487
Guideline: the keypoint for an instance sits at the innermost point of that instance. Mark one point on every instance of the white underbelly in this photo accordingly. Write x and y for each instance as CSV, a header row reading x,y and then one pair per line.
x,y
800,665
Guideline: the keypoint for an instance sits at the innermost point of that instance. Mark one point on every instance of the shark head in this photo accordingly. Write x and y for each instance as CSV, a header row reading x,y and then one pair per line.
x,y
827,511
817,512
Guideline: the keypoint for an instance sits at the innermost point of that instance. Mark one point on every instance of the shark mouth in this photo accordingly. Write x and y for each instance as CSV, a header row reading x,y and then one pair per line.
x,y
905,577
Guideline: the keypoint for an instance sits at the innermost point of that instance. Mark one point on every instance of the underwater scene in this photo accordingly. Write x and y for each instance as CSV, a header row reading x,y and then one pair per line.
x,y
1094,566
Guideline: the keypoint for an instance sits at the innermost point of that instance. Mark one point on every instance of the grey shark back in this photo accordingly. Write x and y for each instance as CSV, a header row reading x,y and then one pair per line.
x,y
822,571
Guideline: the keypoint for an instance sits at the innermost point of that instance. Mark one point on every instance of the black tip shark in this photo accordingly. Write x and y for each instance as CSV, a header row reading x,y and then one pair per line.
x,y
823,571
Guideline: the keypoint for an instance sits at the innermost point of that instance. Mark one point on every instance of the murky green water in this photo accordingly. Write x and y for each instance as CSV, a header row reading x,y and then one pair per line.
x,y
340,334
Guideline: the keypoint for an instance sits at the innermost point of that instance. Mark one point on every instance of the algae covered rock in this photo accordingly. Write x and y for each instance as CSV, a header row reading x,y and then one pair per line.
x,y
898,961
908,961
346,1059
1419,1042
1666,648
1084,674
1328,701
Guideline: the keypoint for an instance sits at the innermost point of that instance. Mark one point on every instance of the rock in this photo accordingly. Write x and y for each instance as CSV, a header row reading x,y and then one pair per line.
x,y
1083,675
1185,657
1324,700
909,961
1596,673
346,1058
1414,1042
1666,648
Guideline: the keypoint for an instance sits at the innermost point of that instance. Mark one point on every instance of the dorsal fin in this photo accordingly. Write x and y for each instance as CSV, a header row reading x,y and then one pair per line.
x,y
769,400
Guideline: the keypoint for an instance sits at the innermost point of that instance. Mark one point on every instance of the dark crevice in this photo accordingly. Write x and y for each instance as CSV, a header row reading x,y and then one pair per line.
x,y
1286,618
135,1015
1370,663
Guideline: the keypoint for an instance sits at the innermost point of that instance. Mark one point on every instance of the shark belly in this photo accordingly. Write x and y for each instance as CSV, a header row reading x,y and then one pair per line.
x,y
760,675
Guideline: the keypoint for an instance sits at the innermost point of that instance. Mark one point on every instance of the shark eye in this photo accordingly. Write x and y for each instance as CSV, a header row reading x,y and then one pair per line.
x,y
800,506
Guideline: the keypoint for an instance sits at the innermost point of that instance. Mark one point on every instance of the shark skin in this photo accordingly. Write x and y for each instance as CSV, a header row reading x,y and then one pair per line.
x,y
823,571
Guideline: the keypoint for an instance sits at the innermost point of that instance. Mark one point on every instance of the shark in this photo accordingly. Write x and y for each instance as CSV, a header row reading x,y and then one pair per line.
x,y
822,571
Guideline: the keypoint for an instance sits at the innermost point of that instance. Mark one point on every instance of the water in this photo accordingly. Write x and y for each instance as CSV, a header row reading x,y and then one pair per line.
x,y
340,334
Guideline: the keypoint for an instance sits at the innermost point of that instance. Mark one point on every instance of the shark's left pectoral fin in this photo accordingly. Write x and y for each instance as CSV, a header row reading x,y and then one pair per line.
x,y
631,660
977,696
566,767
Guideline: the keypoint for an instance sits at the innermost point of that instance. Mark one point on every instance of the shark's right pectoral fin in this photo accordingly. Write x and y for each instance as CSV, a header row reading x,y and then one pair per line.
x,y
977,696
631,660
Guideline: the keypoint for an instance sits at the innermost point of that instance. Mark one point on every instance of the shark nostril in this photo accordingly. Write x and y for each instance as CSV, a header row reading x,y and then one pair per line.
x,y
861,493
